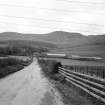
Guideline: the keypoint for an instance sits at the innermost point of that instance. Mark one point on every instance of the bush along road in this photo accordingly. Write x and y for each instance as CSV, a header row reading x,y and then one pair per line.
x,y
11,65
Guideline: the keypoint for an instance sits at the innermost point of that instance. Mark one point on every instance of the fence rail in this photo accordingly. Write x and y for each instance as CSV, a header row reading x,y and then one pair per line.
x,y
98,71
92,85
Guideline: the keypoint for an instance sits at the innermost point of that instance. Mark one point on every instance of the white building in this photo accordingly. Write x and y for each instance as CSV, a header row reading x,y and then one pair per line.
x,y
56,54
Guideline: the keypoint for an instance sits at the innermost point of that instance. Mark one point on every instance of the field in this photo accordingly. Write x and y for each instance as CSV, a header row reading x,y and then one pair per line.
x,y
91,68
77,62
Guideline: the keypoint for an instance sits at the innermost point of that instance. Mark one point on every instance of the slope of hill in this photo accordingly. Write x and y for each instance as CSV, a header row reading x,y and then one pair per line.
x,y
27,43
67,42
57,37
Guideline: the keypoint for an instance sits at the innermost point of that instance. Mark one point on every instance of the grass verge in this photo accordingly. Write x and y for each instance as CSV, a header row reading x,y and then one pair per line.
x,y
11,65
71,95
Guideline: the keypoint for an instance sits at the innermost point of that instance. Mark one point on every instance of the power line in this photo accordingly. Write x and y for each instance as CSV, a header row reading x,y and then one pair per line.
x,y
51,20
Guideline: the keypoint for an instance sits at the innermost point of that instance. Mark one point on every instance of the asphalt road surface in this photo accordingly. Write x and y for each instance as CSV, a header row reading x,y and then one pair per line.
x,y
28,87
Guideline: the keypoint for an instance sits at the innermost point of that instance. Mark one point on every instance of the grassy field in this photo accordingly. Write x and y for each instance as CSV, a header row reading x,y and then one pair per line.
x,y
77,62
92,68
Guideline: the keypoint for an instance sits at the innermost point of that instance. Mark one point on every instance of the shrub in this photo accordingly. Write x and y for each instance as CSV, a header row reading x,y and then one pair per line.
x,y
49,66
11,65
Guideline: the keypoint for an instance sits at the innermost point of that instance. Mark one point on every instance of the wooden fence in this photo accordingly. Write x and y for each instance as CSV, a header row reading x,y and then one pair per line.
x,y
90,84
95,71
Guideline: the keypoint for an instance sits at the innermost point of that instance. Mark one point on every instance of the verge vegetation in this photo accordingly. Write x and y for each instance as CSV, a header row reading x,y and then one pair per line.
x,y
11,65
71,94
13,54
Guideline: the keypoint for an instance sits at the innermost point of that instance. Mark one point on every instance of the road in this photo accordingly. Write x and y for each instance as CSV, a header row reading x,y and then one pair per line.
x,y
28,87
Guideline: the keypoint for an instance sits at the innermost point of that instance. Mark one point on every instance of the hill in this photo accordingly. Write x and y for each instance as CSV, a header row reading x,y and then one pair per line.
x,y
57,37
74,43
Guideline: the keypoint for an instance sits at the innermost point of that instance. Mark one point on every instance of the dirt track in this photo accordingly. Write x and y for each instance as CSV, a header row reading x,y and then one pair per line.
x,y
28,87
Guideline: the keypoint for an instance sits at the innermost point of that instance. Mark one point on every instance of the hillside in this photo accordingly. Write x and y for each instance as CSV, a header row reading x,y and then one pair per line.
x,y
27,43
74,43
57,37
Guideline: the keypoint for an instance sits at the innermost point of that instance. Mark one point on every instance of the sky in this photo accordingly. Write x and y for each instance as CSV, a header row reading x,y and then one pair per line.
x,y
44,16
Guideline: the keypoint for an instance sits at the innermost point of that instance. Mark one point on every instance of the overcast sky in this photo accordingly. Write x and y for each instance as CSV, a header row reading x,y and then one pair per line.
x,y
43,16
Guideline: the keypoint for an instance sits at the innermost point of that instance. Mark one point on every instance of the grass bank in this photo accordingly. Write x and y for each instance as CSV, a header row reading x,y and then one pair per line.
x,y
11,65
71,94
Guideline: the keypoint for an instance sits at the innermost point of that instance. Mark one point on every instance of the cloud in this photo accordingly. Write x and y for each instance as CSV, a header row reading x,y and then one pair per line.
x,y
49,15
